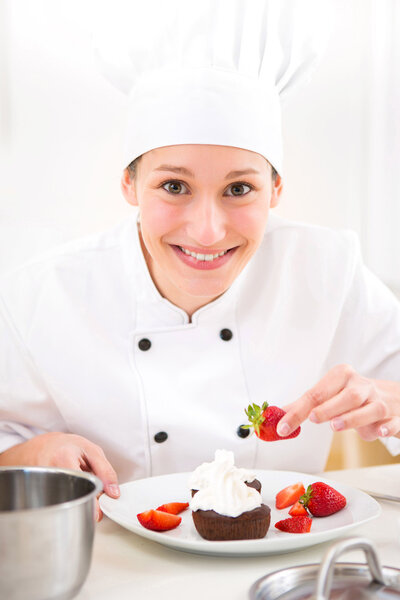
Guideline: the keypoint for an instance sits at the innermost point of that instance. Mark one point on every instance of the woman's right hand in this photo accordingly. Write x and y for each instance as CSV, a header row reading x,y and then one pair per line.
x,y
68,451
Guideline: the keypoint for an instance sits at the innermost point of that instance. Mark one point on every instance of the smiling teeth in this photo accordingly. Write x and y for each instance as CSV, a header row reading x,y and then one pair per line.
x,y
203,256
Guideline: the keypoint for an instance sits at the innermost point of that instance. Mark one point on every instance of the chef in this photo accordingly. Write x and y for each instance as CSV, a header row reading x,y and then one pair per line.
x,y
134,352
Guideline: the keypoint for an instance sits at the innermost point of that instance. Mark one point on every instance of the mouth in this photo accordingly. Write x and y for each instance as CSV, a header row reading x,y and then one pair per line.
x,y
201,256
202,260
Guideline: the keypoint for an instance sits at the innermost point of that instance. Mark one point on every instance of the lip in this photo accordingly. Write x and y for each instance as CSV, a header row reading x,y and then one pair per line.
x,y
203,265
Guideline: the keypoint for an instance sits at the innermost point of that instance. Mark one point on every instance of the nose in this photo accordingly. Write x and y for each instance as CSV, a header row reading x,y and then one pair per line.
x,y
206,224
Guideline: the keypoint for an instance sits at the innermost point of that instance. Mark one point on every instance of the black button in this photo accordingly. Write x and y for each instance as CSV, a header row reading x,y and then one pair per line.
x,y
226,335
242,431
144,344
160,437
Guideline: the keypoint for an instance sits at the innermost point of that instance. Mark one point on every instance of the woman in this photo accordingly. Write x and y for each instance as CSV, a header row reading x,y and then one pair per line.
x,y
135,352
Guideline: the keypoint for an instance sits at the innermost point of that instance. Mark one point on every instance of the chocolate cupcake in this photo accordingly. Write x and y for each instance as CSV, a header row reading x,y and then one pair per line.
x,y
226,501
251,524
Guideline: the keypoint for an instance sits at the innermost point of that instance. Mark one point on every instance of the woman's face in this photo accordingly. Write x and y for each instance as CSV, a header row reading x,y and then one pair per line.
x,y
203,211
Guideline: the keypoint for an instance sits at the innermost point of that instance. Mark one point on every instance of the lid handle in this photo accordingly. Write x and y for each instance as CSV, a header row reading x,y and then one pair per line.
x,y
325,576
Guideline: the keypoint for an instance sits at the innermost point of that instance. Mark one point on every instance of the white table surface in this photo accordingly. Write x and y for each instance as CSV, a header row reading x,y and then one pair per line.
x,y
127,566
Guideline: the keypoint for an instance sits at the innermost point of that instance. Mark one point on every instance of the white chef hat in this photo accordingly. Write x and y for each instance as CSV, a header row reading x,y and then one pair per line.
x,y
210,71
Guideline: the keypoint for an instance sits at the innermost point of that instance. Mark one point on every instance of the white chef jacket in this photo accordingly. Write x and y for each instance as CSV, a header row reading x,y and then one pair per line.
x,y
72,355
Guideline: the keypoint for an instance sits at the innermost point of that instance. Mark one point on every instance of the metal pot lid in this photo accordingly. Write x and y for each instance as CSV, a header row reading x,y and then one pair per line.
x,y
332,580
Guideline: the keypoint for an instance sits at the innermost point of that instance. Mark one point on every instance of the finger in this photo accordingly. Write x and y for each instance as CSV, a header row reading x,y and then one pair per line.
x,y
98,513
366,415
389,427
348,399
381,429
327,387
103,469
70,457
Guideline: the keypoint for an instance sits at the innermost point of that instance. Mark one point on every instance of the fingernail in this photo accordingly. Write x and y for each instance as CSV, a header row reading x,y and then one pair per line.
x,y
337,424
384,431
283,429
113,490
313,417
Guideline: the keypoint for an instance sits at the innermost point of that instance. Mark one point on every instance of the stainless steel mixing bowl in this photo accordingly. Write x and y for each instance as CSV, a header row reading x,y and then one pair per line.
x,y
47,526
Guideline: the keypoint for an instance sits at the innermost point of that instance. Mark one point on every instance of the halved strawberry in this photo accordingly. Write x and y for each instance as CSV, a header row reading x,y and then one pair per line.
x,y
157,520
289,495
295,525
173,508
298,510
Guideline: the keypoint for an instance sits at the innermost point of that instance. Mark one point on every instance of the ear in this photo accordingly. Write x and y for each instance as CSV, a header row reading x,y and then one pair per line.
x,y
128,188
276,191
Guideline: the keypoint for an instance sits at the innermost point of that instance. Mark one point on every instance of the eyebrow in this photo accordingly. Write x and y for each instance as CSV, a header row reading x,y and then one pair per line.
x,y
185,171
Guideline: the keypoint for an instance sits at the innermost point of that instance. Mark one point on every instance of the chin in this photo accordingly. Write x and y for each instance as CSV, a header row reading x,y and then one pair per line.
x,y
205,292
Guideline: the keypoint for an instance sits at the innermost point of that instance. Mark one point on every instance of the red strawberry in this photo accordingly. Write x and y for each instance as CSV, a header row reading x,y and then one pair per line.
x,y
322,499
295,525
298,510
289,495
265,419
158,520
173,508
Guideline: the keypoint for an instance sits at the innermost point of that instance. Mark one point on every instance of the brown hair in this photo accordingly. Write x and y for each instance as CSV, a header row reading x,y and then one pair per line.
x,y
133,166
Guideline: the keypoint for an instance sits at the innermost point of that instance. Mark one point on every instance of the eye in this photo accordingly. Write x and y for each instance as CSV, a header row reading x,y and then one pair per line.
x,y
174,187
238,189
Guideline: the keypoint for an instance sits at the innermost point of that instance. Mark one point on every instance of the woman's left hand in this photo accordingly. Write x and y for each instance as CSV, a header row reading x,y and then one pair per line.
x,y
348,400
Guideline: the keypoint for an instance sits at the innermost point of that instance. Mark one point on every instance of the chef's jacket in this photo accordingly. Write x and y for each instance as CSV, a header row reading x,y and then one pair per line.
x,y
88,345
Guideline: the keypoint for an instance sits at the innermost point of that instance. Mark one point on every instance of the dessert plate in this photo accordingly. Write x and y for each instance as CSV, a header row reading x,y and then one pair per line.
x,y
143,494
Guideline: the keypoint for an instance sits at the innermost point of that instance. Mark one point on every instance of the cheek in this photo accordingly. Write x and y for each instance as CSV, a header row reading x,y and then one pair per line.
x,y
158,218
250,221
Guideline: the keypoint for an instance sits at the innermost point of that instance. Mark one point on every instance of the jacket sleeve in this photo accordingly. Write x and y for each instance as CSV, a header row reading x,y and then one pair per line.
x,y
26,407
368,332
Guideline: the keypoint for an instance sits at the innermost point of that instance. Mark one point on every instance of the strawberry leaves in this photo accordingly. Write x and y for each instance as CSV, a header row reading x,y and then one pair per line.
x,y
255,415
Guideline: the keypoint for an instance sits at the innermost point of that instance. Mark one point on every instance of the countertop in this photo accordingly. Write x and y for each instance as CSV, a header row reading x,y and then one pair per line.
x,y
127,566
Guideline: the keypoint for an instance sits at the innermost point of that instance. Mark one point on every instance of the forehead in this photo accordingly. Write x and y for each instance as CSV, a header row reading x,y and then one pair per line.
x,y
199,158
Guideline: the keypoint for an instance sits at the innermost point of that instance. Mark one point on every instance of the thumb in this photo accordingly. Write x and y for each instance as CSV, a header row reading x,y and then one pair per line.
x,y
98,513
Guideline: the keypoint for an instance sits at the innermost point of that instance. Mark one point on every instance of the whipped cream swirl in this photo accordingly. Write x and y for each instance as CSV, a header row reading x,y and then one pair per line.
x,y
221,487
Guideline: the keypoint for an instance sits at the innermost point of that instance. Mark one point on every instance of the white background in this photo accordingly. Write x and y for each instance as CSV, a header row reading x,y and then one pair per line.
x,y
61,131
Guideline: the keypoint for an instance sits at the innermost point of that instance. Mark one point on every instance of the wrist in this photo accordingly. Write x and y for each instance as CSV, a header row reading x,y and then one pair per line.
x,y
29,453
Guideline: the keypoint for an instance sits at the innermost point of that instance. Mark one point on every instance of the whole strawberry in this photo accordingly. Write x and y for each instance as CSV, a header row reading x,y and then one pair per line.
x,y
322,499
265,419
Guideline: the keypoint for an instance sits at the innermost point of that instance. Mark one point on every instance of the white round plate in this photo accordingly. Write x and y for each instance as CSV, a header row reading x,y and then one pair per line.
x,y
144,494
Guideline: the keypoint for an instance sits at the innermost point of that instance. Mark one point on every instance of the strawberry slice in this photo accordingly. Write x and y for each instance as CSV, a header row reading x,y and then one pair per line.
x,y
173,508
264,420
298,510
295,525
289,495
157,520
